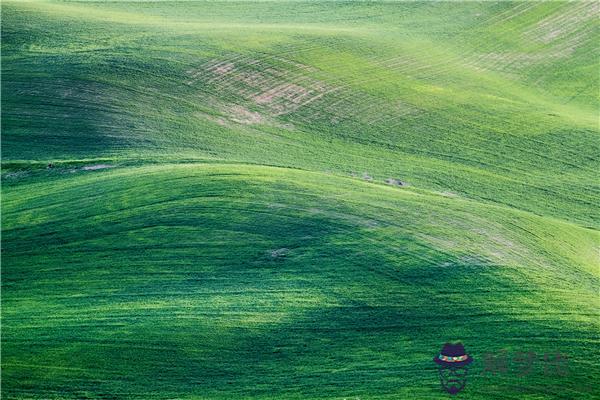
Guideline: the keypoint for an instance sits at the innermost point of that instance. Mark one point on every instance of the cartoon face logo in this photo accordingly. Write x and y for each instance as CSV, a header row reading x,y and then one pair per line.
x,y
453,367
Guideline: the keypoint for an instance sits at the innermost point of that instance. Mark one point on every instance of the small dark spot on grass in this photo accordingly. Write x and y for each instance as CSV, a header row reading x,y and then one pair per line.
x,y
395,182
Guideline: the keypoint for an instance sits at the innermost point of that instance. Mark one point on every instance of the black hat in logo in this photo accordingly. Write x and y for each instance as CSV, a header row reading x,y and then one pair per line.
x,y
453,362
453,355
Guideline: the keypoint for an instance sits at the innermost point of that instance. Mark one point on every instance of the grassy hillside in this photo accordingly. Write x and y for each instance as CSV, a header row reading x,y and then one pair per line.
x,y
297,200
476,98
255,281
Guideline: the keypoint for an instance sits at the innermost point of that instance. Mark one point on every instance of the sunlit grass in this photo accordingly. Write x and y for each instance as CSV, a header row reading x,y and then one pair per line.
x,y
215,220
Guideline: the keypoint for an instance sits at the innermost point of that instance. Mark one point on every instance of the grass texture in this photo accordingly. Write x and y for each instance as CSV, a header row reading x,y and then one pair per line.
x,y
299,200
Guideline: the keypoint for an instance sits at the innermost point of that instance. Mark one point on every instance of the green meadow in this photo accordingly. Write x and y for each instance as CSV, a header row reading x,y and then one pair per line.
x,y
298,200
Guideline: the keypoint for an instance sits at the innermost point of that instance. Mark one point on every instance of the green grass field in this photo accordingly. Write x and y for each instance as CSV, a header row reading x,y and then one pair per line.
x,y
298,200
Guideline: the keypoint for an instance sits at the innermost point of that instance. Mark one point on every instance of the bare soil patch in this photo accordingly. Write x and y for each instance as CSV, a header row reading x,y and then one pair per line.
x,y
279,253
96,167
242,115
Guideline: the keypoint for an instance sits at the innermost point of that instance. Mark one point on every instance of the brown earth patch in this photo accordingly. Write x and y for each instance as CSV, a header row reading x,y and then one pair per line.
x,y
242,115
279,89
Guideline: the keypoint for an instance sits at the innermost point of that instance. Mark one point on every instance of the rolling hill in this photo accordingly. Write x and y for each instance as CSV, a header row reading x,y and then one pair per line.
x,y
298,199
